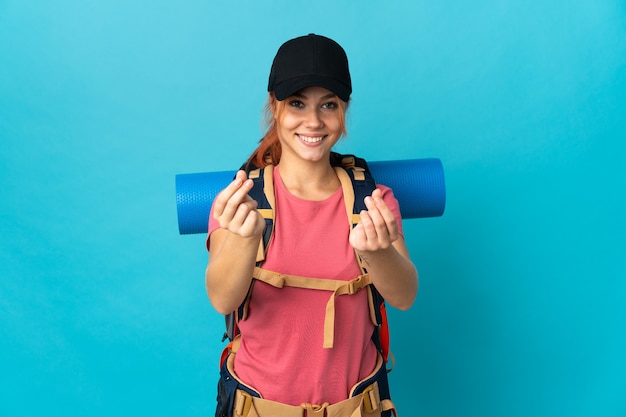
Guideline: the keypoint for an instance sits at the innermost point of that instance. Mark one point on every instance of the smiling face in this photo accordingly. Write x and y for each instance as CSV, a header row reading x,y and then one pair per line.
x,y
309,123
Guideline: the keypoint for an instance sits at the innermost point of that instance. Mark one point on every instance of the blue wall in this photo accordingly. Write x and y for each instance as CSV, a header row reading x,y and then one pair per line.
x,y
521,308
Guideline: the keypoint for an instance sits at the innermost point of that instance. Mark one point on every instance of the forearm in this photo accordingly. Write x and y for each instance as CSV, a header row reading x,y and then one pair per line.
x,y
229,271
393,274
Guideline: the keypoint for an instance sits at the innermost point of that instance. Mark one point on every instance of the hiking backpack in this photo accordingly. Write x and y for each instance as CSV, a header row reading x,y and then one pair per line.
x,y
357,183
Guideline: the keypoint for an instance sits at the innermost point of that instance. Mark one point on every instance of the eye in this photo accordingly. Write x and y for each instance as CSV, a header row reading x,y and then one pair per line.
x,y
296,103
330,105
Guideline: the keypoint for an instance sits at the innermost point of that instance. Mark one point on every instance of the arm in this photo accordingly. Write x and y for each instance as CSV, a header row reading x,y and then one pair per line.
x,y
385,254
233,246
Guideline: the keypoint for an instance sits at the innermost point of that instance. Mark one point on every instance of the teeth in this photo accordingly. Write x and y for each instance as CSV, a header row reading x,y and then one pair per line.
x,y
311,139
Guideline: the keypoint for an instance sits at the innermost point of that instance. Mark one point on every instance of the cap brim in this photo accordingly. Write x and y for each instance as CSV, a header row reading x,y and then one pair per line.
x,y
289,87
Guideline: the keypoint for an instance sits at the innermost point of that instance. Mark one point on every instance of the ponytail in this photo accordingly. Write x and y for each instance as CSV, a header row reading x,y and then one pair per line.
x,y
269,149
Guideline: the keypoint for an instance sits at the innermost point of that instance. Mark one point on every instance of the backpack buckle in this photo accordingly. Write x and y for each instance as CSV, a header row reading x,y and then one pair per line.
x,y
314,410
356,285
243,403
371,398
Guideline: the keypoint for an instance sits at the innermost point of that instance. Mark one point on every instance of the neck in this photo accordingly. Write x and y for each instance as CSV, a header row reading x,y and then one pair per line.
x,y
309,180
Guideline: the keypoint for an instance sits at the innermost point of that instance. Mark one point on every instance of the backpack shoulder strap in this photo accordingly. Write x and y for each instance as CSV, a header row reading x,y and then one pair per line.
x,y
263,192
360,181
363,184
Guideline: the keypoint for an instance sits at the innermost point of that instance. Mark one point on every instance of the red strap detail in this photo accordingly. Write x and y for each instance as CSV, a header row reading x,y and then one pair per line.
x,y
225,353
384,332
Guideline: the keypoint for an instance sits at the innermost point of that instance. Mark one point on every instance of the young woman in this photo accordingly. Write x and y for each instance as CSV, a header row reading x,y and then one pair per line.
x,y
282,355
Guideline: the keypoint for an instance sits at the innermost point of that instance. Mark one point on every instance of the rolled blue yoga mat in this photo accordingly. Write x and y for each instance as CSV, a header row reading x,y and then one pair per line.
x,y
418,184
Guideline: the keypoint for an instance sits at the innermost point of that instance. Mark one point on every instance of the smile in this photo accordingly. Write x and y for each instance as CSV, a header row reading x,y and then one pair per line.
x,y
311,139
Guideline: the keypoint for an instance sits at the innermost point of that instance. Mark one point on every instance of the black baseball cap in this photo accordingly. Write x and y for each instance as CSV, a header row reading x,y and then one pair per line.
x,y
311,60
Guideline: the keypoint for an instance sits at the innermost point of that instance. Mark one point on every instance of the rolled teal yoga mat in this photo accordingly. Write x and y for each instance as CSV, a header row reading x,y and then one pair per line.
x,y
418,184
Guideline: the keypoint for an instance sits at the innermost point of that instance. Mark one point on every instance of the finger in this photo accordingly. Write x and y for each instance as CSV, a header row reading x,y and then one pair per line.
x,y
377,193
252,224
383,217
241,174
226,194
358,239
239,196
368,228
378,232
376,216
389,217
241,214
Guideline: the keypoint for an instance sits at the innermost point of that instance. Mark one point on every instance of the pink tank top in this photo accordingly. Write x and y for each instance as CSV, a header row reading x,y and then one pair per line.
x,y
281,353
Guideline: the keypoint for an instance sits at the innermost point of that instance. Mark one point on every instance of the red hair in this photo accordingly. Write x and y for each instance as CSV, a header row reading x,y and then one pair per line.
x,y
269,149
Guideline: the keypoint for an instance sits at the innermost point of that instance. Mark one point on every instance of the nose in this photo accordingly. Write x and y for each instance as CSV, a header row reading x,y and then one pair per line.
x,y
313,119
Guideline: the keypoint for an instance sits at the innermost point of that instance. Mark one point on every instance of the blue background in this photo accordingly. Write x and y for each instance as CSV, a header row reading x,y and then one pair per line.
x,y
521,309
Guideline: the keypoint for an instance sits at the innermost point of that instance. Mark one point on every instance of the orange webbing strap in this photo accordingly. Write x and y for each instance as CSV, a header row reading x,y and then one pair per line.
x,y
348,195
349,162
268,184
337,287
